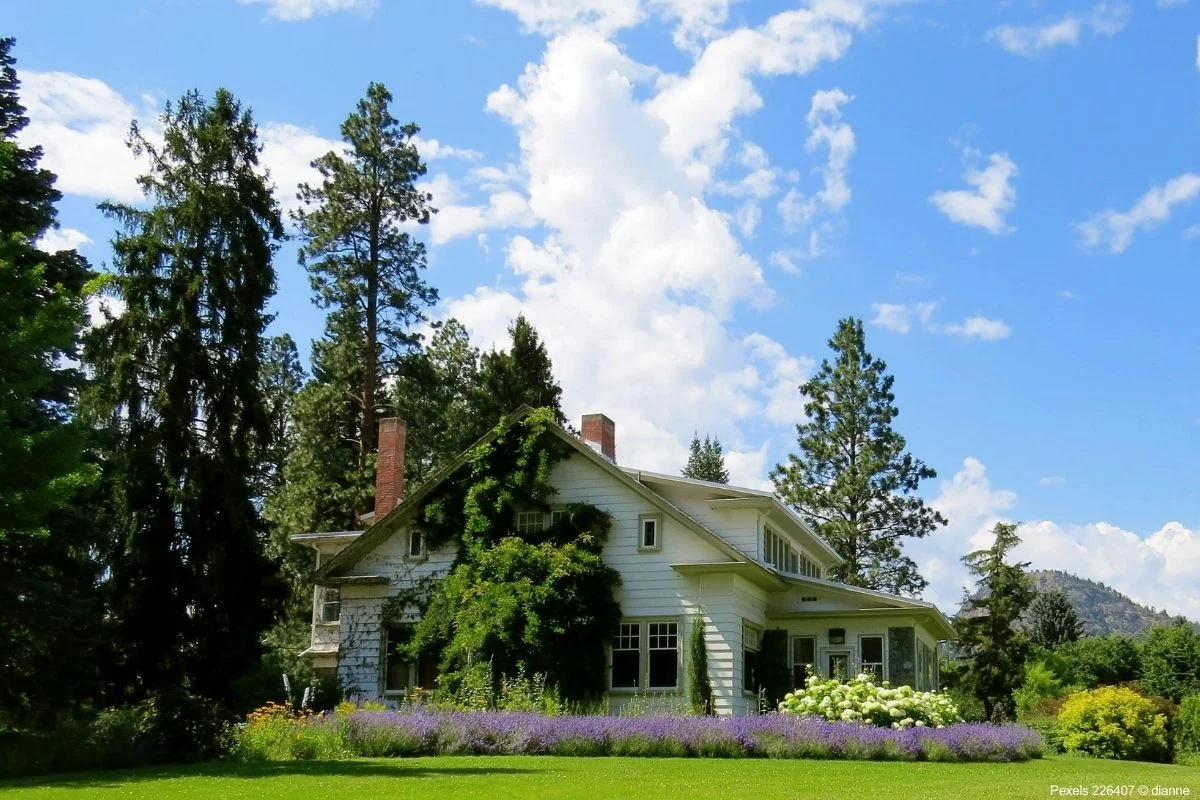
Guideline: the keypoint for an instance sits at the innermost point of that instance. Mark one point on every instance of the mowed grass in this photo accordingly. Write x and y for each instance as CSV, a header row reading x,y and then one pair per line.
x,y
546,777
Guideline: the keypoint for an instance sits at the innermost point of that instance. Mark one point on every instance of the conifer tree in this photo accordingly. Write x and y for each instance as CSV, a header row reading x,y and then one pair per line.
x,y
706,461
365,267
1052,621
178,382
522,375
996,649
852,479
52,628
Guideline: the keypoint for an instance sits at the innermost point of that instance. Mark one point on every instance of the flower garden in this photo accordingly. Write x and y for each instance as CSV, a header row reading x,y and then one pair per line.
x,y
855,720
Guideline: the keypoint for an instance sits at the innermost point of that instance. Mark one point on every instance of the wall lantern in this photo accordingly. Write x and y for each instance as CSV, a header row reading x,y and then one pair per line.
x,y
837,635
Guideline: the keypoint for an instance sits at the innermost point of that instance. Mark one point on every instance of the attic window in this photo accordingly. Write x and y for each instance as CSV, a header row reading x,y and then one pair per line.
x,y
416,544
809,599
649,532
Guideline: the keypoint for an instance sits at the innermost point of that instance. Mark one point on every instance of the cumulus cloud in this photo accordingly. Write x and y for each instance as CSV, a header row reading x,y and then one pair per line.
x,y
991,197
617,158
1154,570
57,239
1104,19
300,10
1115,229
552,17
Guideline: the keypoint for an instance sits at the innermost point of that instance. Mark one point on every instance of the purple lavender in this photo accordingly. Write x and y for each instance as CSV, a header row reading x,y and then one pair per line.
x,y
419,731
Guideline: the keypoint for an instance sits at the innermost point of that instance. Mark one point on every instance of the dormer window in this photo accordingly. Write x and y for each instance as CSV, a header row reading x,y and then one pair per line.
x,y
649,532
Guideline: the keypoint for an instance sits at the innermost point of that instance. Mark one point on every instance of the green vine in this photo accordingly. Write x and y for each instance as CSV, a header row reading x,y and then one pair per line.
x,y
537,603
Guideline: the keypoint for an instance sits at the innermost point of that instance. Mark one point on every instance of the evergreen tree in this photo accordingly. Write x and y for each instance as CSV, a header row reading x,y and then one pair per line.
x,y
1171,661
522,375
366,268
178,381
433,395
706,461
41,314
282,377
997,650
52,628
852,479
1051,620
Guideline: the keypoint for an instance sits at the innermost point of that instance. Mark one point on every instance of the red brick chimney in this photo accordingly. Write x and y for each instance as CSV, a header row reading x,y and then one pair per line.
x,y
601,433
389,467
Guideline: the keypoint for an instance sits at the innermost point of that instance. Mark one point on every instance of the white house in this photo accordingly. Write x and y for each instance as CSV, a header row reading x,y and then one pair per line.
x,y
738,559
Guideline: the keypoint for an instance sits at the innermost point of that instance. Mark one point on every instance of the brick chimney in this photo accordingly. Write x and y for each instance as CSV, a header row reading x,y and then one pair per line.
x,y
389,467
601,433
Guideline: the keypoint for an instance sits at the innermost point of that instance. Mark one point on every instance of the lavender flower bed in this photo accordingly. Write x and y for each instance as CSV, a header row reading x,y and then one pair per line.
x,y
422,732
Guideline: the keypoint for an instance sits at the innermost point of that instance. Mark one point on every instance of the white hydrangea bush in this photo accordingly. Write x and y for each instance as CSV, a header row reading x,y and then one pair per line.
x,y
860,700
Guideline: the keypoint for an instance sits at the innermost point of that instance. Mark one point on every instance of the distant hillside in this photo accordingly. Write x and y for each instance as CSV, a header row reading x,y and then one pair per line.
x,y
1103,610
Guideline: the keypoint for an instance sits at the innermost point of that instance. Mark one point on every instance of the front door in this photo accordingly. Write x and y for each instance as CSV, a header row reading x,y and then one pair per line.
x,y
839,666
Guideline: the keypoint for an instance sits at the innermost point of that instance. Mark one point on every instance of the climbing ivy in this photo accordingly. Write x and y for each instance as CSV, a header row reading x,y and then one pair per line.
x,y
533,603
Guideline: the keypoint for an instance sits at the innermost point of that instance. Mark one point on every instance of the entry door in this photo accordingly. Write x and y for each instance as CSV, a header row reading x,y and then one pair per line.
x,y
839,666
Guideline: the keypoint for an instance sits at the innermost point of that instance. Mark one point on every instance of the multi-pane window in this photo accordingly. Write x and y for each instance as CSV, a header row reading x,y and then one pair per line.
x,y
648,532
804,658
779,553
530,522
557,516
402,674
331,604
871,661
751,644
664,654
627,656
416,543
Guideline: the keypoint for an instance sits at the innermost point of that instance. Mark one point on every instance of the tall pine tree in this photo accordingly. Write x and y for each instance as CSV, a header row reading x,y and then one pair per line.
x,y
706,461
996,649
852,478
365,268
508,379
53,621
178,380
1051,620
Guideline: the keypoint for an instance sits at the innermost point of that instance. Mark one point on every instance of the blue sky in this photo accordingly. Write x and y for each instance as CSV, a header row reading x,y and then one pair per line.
x,y
686,195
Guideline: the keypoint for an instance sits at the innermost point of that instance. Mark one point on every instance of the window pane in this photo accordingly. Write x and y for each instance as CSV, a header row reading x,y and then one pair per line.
x,y
625,668
750,670
664,669
804,654
415,543
530,522
649,533
397,670
872,649
331,606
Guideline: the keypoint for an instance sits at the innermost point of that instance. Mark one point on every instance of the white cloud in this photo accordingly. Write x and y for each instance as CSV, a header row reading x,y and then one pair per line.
x,y
1052,480
82,124
1115,229
552,17
616,161
748,217
288,153
1191,231
978,327
432,150
1104,19
57,239
1067,294
900,318
100,308
299,10
785,261
915,278
991,197
1155,570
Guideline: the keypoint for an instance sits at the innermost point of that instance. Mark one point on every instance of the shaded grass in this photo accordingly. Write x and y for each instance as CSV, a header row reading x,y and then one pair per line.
x,y
546,777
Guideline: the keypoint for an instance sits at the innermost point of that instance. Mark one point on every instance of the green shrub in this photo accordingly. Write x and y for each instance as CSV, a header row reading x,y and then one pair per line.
x,y
1187,726
860,700
1050,730
1171,661
1114,722
1041,683
1099,661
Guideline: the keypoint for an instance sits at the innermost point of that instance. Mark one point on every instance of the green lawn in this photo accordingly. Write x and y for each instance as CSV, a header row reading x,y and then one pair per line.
x,y
545,777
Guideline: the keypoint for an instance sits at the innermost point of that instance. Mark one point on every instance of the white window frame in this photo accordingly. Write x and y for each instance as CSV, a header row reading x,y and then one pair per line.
x,y
792,655
528,516
556,512
883,674
417,533
322,615
641,531
644,650
750,631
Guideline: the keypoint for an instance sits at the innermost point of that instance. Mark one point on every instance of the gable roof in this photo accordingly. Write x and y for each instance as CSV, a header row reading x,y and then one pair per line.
x,y
391,522
756,497
940,620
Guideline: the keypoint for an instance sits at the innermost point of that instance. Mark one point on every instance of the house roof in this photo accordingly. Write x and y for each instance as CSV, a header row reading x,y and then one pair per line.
x,y
940,619
403,512
755,497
